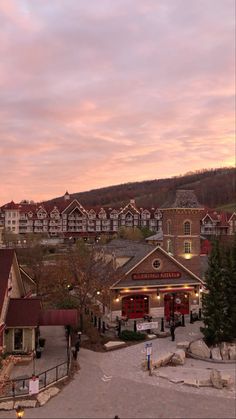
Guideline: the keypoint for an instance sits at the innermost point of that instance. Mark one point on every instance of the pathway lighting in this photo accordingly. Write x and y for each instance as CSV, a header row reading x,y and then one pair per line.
x,y
20,412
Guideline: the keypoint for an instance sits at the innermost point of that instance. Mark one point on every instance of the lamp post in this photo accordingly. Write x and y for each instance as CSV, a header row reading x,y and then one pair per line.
x,y
19,412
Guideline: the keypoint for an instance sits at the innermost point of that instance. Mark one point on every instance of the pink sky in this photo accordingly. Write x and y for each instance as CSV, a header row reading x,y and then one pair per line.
x,y
97,93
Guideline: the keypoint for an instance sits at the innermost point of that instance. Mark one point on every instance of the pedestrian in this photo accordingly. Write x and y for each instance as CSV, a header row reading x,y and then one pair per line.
x,y
172,329
76,349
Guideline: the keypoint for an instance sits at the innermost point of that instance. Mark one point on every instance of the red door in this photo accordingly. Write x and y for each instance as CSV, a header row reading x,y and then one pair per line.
x,y
177,302
135,306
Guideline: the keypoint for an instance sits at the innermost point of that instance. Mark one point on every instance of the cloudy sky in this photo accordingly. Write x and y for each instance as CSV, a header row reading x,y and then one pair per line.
x,y
101,92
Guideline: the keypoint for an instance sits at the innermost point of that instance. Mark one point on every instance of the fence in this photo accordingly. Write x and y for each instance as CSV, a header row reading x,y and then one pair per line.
x,y
20,386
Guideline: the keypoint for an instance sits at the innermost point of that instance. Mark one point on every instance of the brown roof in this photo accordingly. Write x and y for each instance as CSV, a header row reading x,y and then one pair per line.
x,y
59,317
6,260
23,312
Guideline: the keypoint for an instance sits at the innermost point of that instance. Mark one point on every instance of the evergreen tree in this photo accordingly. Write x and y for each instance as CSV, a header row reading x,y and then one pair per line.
x,y
214,302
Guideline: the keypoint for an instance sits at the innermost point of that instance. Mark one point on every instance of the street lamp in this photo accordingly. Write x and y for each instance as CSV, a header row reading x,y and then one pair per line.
x,y
20,412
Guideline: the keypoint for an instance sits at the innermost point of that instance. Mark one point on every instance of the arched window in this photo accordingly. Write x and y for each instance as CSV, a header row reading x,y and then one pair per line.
x,y
168,224
187,228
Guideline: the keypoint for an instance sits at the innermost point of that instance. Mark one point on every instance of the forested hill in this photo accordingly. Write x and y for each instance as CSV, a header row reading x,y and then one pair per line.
x,y
214,188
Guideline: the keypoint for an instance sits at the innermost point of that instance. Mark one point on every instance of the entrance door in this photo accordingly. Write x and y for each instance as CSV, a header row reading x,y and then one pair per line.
x,y
177,302
18,339
135,306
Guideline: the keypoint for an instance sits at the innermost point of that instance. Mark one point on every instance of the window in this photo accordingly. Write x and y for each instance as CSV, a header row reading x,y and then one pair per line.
x,y
18,339
187,247
187,228
168,226
156,263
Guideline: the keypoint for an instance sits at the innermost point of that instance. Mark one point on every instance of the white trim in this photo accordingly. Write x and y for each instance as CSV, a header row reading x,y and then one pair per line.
x,y
234,213
129,205
72,202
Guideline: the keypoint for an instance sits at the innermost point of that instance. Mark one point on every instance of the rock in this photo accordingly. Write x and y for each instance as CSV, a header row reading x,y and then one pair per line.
x,y
199,348
205,383
176,380
232,352
47,394
224,351
114,344
164,360
178,357
216,354
183,345
227,380
162,334
216,379
6,405
26,403
151,336
191,382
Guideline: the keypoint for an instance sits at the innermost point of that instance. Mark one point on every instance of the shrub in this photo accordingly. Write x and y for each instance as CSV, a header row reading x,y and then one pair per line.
x,y
130,335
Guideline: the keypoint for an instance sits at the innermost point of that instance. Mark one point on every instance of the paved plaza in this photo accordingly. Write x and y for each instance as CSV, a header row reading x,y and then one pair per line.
x,y
113,383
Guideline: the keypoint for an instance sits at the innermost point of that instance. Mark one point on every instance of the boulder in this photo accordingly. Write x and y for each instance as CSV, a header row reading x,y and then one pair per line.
x,y
191,382
178,358
26,403
183,345
114,344
216,379
224,351
232,352
163,334
164,360
199,348
216,354
47,394
205,383
227,380
7,405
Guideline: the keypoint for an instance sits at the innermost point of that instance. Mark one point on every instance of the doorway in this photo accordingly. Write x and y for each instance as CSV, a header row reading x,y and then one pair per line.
x,y
135,306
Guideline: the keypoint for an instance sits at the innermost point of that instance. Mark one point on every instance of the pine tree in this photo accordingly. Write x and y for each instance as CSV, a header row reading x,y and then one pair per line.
x,y
214,304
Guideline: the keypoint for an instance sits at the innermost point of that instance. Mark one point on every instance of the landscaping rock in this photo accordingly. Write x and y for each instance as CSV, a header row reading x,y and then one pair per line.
x,y
224,351
6,405
162,334
183,345
47,394
191,382
232,352
25,403
205,383
216,379
178,358
227,380
216,354
114,344
199,348
164,360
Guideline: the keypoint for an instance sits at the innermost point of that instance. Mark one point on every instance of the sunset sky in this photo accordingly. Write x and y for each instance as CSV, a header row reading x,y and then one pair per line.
x,y
101,92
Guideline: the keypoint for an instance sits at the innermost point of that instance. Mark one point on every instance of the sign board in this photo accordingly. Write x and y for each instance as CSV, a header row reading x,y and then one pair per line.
x,y
147,325
34,385
148,349
156,275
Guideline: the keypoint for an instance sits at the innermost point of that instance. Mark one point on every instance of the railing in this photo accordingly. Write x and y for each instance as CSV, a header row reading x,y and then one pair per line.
x,y
20,386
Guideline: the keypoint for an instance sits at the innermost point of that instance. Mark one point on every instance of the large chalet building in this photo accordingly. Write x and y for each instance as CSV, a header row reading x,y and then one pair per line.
x,y
66,217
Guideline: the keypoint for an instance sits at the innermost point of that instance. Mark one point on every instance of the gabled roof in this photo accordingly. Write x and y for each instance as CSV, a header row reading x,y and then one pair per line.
x,y
6,261
23,312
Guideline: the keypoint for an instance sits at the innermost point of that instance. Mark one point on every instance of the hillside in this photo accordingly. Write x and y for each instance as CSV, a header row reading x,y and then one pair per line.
x,y
214,188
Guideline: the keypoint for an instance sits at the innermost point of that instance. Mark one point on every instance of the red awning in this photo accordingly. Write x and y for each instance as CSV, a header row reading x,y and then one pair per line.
x,y
59,318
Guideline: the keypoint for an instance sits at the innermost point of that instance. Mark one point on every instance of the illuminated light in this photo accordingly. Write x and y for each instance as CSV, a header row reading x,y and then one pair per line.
x,y
185,295
158,296
126,290
145,289
188,256
145,298
185,286
117,299
98,292
20,412
201,289
196,293
131,299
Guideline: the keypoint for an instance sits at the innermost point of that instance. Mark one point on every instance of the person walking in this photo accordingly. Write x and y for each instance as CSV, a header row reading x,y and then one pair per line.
x,y
76,350
172,329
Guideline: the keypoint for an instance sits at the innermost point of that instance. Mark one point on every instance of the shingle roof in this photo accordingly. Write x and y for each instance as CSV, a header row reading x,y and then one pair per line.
x,y
23,312
184,198
6,260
